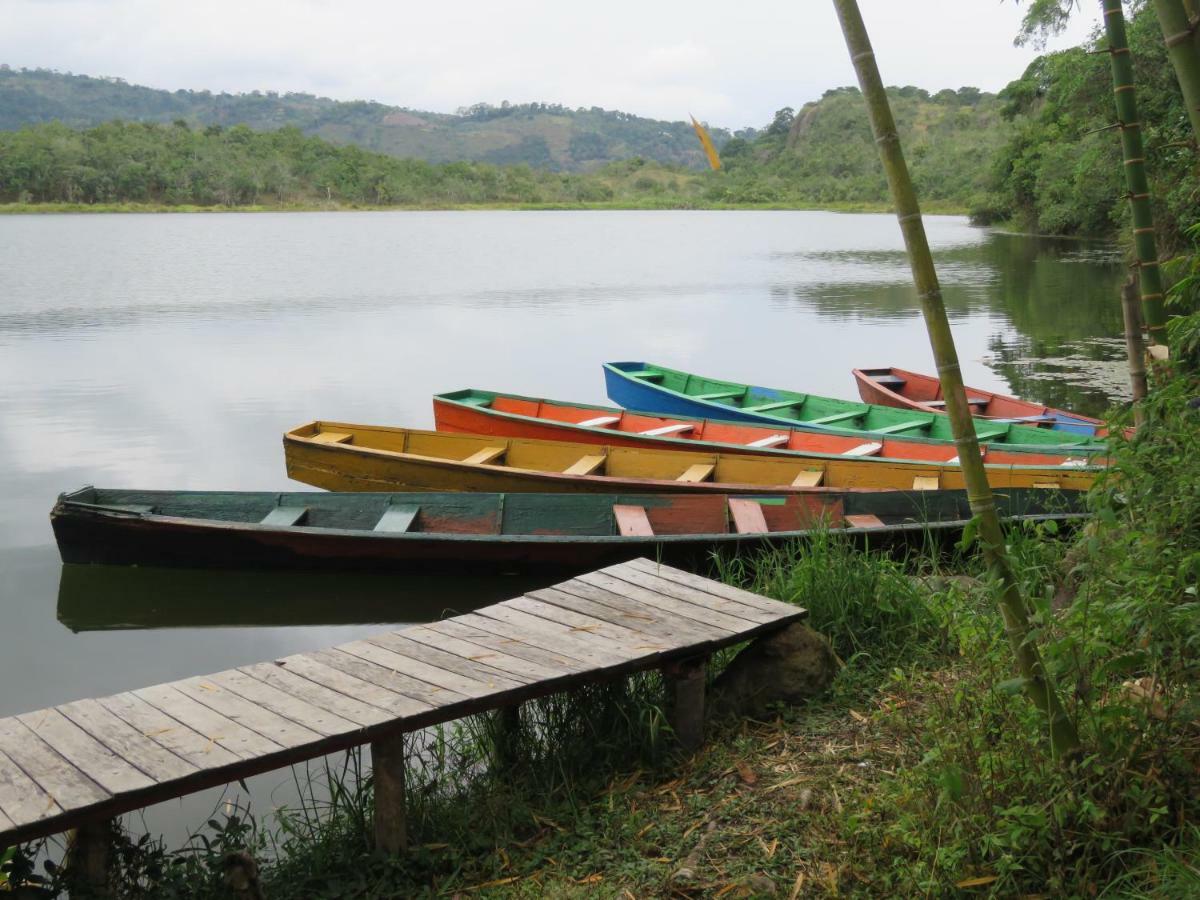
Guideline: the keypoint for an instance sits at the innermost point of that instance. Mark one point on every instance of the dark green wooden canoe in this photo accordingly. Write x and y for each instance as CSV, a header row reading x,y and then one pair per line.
x,y
464,532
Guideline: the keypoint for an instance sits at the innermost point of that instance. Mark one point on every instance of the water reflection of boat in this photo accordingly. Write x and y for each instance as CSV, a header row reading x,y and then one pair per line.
x,y
104,598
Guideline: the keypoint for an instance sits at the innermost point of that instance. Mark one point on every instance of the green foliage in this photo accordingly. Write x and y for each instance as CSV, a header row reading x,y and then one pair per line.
x,y
868,605
824,153
122,162
1183,304
1118,613
1060,171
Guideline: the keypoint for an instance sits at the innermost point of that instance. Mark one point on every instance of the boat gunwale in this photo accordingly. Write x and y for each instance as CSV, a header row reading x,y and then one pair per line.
x,y
667,485
63,507
685,445
1092,446
1071,418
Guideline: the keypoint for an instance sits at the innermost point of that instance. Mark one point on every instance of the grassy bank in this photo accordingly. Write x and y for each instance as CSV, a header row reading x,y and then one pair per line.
x,y
649,203
923,772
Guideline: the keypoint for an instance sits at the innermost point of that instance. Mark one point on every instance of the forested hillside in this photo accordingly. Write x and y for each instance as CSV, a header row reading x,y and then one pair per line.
x,y
1060,171
537,134
825,153
174,165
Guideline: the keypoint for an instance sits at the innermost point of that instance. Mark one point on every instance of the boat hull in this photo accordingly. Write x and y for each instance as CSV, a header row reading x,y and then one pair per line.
x,y
657,389
377,458
688,529
514,416
915,390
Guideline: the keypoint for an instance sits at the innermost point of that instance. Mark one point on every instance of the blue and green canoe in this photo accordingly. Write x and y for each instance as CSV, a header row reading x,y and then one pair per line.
x,y
652,388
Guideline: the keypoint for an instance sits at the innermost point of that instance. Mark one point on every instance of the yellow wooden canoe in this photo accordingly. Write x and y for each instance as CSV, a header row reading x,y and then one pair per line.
x,y
342,457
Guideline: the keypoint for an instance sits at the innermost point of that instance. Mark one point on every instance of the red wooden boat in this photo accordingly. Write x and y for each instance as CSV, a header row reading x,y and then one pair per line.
x,y
911,390
513,416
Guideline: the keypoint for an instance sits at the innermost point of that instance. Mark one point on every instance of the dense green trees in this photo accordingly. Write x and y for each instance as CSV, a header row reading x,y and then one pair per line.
x,y
824,154
121,162
1060,170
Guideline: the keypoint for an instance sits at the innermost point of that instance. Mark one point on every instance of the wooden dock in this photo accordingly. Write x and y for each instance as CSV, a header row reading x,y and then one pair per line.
x,y
80,764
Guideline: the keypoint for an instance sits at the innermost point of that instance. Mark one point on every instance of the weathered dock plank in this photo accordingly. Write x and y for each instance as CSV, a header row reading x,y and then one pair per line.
x,y
88,760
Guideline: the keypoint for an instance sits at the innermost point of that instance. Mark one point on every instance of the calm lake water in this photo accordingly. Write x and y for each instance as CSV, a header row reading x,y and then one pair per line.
x,y
172,351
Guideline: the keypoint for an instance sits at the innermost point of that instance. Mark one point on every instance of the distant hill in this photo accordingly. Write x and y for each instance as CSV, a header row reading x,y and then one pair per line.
x,y
825,153
545,136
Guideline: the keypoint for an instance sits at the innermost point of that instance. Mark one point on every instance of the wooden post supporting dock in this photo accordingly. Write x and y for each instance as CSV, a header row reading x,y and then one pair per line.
x,y
88,858
387,766
685,683
82,763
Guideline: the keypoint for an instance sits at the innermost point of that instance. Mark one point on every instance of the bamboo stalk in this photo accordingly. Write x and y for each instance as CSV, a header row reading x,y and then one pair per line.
x,y
1063,739
1183,47
1149,276
1134,348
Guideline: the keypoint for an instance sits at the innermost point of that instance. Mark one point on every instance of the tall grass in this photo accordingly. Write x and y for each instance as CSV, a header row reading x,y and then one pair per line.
x,y
871,606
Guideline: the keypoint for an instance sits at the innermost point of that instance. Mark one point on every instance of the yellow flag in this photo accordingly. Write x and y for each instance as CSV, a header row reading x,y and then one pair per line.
x,y
706,142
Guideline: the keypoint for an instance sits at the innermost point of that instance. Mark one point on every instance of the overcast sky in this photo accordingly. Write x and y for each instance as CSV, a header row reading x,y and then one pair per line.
x,y
732,64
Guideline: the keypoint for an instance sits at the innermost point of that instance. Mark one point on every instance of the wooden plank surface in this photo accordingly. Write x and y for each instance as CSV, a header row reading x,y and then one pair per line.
x,y
84,752
515,666
153,758
487,639
442,680
705,584
22,798
198,749
93,757
385,677
687,617
704,611
236,738
451,662
351,708
69,788
279,702
587,600
312,667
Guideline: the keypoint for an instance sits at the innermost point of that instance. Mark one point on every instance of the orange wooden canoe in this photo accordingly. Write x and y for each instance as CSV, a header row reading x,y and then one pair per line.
x,y
513,416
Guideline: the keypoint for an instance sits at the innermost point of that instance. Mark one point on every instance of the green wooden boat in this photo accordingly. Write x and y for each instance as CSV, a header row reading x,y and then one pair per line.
x,y
461,533
653,388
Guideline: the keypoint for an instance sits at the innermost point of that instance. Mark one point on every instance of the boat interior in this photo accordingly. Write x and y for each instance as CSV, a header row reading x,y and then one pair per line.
x,y
590,515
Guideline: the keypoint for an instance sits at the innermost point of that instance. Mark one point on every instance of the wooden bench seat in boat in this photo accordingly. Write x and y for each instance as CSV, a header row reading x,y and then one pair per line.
x,y
485,456
600,422
397,519
285,516
747,516
774,405
838,417
632,521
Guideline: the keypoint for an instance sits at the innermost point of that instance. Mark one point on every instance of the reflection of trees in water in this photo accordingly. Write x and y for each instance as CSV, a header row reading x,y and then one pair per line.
x,y
1058,295
1046,287
1084,376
